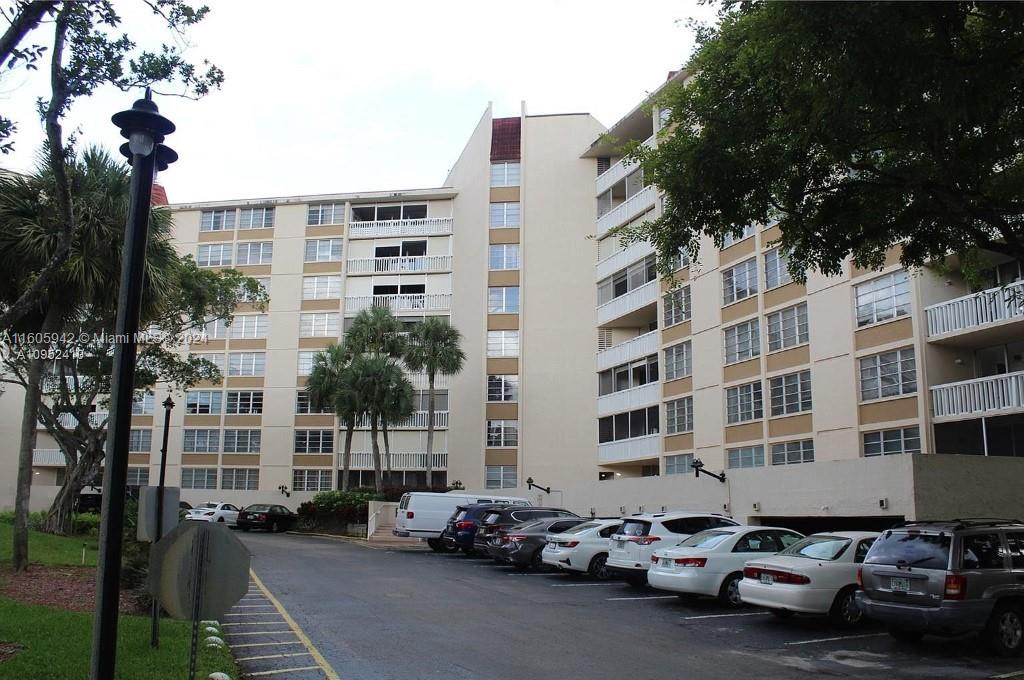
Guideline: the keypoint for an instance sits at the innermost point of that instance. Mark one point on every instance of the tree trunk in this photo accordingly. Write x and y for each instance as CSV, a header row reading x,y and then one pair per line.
x,y
430,429
387,452
346,459
376,454
59,517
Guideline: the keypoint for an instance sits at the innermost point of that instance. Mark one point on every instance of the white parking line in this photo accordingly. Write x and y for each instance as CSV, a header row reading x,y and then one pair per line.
x,y
581,585
270,656
265,644
722,616
283,670
835,639
648,597
261,632
520,573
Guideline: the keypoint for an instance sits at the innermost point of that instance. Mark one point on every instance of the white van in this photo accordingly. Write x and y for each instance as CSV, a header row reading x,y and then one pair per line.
x,y
425,515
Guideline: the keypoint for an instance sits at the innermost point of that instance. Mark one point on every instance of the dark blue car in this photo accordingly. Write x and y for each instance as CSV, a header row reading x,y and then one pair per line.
x,y
461,527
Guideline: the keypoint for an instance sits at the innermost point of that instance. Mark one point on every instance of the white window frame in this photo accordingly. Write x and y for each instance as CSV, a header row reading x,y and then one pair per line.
x,y
320,444
501,477
745,457
793,453
790,393
189,478
321,287
744,403
318,324
255,252
503,387
505,173
200,440
249,326
679,360
240,479
677,304
244,403
312,480
323,250
503,343
140,440
776,269
503,300
504,255
216,329
742,341
137,476
679,415
788,328
320,214
739,282
203,402
882,299
888,374
142,403
256,218
215,358
730,239
264,282
305,362
901,436
679,464
252,364
205,257
242,440
502,434
503,216
217,220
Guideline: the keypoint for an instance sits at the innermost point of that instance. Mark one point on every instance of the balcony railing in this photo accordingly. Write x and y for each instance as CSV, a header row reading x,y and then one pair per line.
x,y
628,400
617,172
635,205
400,265
48,458
634,348
427,226
972,311
622,259
413,302
992,395
418,421
400,460
643,296
629,449
419,381
69,421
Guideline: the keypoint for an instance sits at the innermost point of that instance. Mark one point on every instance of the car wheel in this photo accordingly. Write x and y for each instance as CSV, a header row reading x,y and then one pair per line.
x,y
729,593
599,567
844,611
537,560
781,613
905,635
1005,630
435,544
637,580
220,519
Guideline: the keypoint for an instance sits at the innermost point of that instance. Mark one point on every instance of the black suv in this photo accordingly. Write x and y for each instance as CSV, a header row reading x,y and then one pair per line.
x,y
504,518
461,528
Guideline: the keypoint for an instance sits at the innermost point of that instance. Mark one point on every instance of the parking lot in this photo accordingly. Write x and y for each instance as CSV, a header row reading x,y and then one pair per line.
x,y
388,614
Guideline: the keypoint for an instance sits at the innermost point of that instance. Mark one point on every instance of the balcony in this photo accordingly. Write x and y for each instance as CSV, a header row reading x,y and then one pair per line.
x,y
419,381
634,348
990,396
427,226
400,460
624,308
632,207
618,172
622,259
627,400
48,458
400,304
418,421
629,449
423,264
69,422
987,314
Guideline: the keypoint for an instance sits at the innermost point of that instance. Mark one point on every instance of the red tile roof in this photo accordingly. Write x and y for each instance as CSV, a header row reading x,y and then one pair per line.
x,y
159,195
505,139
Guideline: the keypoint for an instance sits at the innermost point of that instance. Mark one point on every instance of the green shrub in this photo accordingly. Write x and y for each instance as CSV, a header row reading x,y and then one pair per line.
x,y
86,524
333,501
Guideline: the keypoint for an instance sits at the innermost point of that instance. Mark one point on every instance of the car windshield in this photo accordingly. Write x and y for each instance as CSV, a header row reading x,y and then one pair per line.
x,y
580,528
926,551
821,547
207,505
258,508
490,519
706,539
635,527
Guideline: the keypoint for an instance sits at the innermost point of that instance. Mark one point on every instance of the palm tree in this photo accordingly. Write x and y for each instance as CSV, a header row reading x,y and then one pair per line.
x,y
327,386
434,347
400,405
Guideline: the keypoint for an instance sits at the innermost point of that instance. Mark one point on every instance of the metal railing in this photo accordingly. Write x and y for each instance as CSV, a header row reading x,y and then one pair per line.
x,y
621,259
630,399
410,302
971,311
371,523
48,458
633,206
400,460
648,446
400,265
634,348
418,421
618,171
70,422
643,296
426,226
980,396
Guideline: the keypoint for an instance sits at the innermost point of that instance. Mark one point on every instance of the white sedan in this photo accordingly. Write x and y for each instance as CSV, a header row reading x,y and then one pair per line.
x,y
214,512
582,548
711,562
818,575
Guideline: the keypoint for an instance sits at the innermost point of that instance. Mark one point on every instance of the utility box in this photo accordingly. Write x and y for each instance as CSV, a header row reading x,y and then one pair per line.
x,y
146,530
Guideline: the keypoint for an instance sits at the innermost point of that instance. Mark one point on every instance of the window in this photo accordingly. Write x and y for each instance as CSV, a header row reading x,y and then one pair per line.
x,y
326,213
503,300
198,478
745,233
255,252
743,341
140,441
503,388
305,362
886,297
504,215
214,255
246,403
679,415
743,403
505,174
677,306
776,272
502,343
501,477
790,393
502,433
314,441
681,259
678,360
1015,540
201,441
888,374
326,287
241,441
504,256
421,400
216,329
215,358
323,250
264,282
318,325
888,442
638,423
256,218
217,220
304,406
739,282
746,457
787,327
679,464
138,476
625,280
628,376
791,453
240,479
202,402
982,551
384,213
311,480
249,326
247,363
142,404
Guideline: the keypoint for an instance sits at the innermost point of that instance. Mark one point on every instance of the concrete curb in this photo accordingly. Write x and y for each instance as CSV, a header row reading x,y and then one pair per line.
x,y
422,547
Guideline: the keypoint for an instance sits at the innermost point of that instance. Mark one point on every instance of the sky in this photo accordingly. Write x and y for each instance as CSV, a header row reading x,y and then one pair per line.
x,y
358,96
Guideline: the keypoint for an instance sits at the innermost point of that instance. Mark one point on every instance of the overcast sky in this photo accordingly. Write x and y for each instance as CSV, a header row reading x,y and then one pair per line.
x,y
352,96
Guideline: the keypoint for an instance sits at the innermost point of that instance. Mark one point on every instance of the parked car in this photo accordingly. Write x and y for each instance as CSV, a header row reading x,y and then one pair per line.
x,y
503,518
270,517
214,512
522,544
711,562
629,553
424,514
817,575
582,548
461,527
183,508
949,578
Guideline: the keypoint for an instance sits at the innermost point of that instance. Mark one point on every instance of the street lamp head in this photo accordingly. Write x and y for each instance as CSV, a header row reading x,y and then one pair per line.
x,y
529,481
142,125
168,403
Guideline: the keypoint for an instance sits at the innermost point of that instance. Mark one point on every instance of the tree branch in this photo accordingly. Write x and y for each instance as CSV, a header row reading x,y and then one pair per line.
x,y
26,20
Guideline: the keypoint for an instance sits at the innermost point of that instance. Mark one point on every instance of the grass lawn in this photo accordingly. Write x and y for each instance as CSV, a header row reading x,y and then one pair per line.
x,y
50,549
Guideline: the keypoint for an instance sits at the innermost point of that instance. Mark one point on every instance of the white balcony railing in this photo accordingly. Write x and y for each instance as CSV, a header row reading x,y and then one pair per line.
x,y
413,302
635,205
992,395
629,449
427,226
618,261
69,421
634,348
48,458
418,421
618,172
400,265
400,460
419,381
972,311
643,296
628,400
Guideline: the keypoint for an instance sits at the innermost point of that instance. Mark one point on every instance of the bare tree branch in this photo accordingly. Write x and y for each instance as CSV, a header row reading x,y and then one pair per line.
x,y
24,21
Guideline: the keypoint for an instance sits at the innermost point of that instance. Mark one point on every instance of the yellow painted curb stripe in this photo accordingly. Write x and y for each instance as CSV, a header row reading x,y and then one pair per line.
x,y
270,656
306,642
286,670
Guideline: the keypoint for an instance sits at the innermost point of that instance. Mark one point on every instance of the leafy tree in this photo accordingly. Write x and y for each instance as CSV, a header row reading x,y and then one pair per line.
x,y
858,126
399,405
376,378
330,383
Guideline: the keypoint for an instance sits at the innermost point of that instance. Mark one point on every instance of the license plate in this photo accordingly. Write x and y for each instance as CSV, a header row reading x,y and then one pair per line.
x,y
899,585
767,579
666,561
